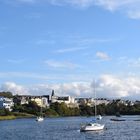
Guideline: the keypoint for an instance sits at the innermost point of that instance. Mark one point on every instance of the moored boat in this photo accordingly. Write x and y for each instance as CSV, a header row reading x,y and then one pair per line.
x,y
92,127
113,119
99,117
39,119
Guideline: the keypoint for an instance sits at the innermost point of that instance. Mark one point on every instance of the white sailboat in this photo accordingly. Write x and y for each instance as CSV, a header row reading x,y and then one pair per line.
x,y
99,117
93,126
40,118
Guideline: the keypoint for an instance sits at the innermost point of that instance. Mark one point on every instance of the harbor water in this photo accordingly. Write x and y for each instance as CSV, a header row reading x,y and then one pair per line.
x,y
67,128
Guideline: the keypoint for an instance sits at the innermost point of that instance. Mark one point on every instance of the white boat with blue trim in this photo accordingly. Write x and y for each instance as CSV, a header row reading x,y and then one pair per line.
x,y
93,126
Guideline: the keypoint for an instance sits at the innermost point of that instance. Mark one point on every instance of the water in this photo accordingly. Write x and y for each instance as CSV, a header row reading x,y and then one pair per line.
x,y
68,129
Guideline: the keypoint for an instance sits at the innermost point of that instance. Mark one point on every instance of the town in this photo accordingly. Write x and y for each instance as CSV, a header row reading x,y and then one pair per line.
x,y
81,106
46,100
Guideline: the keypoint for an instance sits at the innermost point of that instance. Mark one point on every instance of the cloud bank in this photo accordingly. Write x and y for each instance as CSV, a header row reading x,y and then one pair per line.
x,y
107,86
14,88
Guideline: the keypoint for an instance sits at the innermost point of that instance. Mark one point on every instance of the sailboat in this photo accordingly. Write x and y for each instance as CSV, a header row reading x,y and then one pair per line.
x,y
40,118
99,117
93,125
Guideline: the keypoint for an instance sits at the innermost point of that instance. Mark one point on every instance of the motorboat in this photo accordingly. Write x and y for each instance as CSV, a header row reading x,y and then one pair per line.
x,y
92,127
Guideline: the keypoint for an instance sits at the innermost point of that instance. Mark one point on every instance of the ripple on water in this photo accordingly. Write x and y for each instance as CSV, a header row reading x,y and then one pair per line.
x,y
68,129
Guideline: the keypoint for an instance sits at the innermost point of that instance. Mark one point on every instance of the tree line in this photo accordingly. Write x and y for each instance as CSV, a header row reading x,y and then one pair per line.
x,y
61,109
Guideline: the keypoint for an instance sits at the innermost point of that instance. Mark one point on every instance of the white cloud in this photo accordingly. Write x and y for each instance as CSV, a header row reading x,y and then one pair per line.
x,y
89,41
134,62
130,62
60,64
45,42
127,7
134,14
73,89
112,86
107,86
71,49
79,3
102,56
109,4
14,88
16,61
113,5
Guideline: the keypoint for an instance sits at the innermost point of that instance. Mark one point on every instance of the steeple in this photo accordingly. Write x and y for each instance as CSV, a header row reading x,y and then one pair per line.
x,y
52,92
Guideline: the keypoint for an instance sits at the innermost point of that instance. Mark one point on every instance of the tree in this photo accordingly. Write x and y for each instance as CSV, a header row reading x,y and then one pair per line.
x,y
6,94
4,112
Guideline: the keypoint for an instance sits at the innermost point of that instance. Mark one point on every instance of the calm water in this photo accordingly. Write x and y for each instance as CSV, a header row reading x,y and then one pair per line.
x,y
68,129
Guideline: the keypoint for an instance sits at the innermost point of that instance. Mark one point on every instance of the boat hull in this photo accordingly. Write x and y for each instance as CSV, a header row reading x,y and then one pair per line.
x,y
39,119
96,127
99,117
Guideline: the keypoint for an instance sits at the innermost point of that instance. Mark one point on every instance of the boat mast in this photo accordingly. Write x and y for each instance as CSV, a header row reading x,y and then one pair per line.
x,y
95,97
41,107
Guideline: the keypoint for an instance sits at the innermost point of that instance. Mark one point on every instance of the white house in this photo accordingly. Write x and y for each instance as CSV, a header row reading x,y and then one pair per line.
x,y
65,99
68,100
6,103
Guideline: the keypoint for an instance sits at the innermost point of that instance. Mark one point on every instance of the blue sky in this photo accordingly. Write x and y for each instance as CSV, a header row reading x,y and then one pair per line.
x,y
64,42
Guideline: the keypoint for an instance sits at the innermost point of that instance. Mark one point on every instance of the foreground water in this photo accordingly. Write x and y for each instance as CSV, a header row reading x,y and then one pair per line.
x,y
68,129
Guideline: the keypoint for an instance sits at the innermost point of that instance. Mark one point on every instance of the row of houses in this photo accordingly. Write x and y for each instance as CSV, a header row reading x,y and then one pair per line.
x,y
46,100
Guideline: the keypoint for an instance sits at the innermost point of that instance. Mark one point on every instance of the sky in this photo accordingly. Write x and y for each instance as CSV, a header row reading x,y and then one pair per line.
x,y
66,45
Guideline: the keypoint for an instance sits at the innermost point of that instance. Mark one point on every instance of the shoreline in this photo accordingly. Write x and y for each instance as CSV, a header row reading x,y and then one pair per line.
x,y
9,117
16,116
24,115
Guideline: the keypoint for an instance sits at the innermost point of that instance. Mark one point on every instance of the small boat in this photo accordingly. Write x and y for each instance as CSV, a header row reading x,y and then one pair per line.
x,y
137,120
117,119
92,127
99,117
39,119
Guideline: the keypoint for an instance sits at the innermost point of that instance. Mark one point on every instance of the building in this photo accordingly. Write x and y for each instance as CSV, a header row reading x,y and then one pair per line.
x,y
25,99
41,100
65,99
81,101
6,103
91,101
102,101
68,100
22,99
